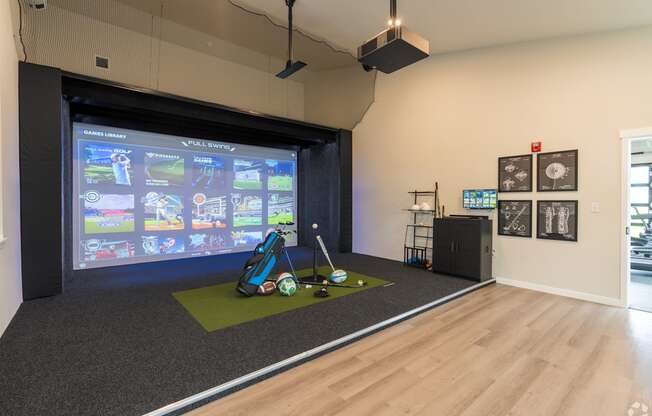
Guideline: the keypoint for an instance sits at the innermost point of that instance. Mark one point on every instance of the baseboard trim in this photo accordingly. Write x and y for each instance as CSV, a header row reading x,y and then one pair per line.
x,y
313,353
604,300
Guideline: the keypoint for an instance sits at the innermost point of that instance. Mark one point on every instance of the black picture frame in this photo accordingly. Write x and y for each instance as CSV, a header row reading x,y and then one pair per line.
x,y
515,173
557,171
549,222
515,218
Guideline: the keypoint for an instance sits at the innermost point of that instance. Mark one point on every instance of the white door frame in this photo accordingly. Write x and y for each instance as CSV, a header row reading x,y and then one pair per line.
x,y
627,136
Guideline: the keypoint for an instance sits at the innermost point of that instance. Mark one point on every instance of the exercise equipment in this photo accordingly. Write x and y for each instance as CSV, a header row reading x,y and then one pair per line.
x,y
641,245
266,256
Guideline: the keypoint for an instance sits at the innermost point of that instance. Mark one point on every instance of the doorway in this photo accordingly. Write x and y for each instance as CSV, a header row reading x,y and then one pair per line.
x,y
639,206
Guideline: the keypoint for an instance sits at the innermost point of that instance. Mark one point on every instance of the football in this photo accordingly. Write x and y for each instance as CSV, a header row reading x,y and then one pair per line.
x,y
266,289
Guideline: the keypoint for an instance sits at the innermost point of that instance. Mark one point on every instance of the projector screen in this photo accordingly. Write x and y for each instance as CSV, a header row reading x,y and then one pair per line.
x,y
143,197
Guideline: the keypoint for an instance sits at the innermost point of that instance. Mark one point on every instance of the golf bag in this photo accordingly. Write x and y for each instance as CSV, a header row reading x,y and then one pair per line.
x,y
261,264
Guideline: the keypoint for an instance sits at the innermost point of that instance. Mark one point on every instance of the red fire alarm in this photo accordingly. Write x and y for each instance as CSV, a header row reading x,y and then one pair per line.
x,y
536,147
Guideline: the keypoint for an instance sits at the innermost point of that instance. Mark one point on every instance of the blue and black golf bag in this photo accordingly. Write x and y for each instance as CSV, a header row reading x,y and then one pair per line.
x,y
261,264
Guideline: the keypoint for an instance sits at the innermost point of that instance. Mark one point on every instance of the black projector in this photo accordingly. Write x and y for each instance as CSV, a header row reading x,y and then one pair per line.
x,y
393,49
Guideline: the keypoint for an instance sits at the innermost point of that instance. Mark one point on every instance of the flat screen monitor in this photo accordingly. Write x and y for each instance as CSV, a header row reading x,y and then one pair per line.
x,y
144,197
480,198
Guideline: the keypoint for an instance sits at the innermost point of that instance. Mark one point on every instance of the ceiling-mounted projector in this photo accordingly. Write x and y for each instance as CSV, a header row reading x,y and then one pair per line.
x,y
394,48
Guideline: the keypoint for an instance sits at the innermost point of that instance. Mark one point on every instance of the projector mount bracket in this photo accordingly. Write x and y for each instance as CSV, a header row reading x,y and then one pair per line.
x,y
290,67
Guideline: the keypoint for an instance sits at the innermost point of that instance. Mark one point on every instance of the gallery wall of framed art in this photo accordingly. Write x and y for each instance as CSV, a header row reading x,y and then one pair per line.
x,y
515,218
557,220
555,172
515,173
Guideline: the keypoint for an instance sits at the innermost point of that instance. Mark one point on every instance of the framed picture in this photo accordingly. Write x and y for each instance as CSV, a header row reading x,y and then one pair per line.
x,y
557,171
515,173
557,220
515,218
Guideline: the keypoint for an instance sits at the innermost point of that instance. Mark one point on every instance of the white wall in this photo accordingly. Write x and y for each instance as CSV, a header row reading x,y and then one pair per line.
x,y
449,118
10,282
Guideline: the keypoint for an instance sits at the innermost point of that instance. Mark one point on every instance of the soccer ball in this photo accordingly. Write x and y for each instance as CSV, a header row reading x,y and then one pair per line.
x,y
286,285
338,276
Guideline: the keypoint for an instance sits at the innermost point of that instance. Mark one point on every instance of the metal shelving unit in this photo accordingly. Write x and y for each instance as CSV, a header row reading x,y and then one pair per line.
x,y
417,245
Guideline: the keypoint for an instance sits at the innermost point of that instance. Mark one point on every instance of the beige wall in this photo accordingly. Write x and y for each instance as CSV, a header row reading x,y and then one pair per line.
x,y
161,55
449,118
338,97
10,282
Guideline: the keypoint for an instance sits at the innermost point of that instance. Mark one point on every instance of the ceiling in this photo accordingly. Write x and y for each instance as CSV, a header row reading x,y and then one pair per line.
x,y
452,25
229,20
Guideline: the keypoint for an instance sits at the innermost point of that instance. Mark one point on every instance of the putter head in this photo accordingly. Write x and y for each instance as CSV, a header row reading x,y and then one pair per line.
x,y
291,68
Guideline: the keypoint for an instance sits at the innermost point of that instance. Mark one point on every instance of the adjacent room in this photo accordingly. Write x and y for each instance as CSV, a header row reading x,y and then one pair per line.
x,y
304,207
640,201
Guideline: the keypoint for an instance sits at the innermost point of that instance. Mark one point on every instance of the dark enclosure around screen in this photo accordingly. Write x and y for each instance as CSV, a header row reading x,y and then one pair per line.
x,y
52,100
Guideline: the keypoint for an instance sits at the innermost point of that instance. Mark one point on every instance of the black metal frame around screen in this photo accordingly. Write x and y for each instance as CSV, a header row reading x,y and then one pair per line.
x,y
50,100
577,219
531,173
577,169
529,202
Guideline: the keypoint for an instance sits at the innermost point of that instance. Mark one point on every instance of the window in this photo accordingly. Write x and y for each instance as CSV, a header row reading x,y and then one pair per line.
x,y
640,175
639,197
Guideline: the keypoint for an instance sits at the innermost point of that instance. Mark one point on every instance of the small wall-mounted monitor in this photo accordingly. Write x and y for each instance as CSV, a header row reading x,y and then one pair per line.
x,y
480,198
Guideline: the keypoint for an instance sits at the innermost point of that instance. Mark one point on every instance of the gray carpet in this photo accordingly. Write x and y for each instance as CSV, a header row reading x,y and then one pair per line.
x,y
126,347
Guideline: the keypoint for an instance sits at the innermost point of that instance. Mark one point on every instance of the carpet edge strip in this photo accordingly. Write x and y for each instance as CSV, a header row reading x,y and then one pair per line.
x,y
206,394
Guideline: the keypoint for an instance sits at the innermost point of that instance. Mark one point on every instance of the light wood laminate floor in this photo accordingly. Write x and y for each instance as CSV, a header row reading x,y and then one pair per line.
x,y
498,351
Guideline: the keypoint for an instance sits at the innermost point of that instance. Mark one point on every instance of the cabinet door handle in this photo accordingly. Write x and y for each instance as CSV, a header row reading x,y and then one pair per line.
x,y
452,246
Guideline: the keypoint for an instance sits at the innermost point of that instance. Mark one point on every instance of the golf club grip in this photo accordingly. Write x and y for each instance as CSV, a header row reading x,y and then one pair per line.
x,y
323,248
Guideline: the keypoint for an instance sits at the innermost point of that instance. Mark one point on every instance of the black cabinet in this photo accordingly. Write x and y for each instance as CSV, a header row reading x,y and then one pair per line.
x,y
463,247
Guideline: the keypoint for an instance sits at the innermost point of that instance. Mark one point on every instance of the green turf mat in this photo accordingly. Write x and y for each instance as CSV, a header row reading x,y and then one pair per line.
x,y
220,306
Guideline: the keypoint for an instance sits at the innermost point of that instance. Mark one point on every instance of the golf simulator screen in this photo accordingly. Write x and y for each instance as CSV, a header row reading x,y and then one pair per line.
x,y
143,197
